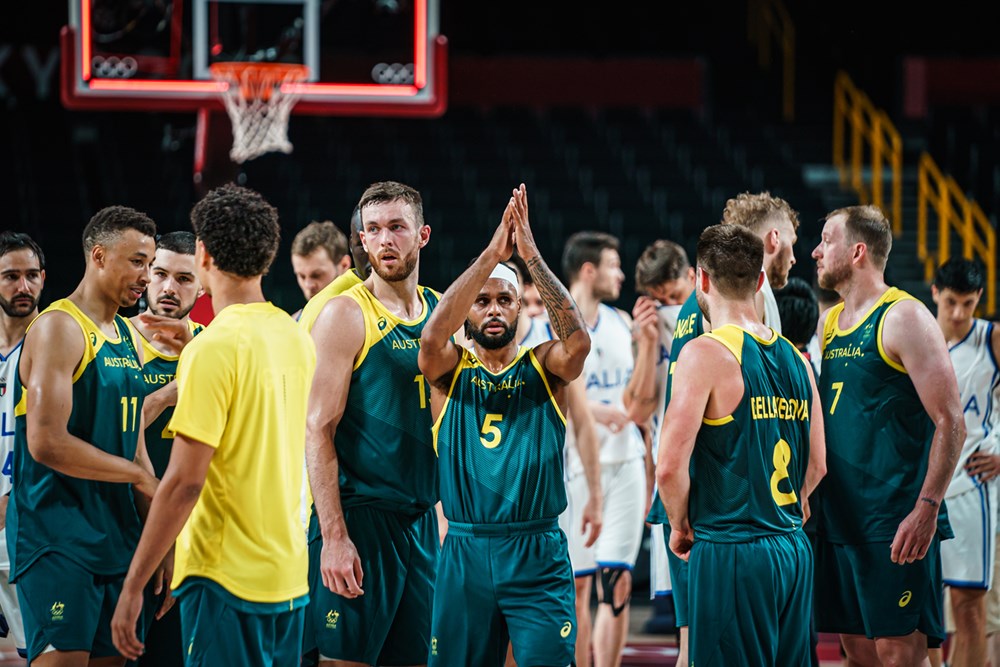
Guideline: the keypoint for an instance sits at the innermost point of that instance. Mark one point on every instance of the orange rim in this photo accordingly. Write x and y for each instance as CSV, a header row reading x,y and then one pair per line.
x,y
258,79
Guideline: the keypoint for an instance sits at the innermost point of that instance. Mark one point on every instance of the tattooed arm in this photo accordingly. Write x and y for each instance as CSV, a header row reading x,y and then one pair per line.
x,y
563,358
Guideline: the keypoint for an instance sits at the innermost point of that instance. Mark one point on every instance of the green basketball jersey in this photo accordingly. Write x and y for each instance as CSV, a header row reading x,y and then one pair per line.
x,y
690,325
748,468
878,435
158,369
94,523
499,440
383,441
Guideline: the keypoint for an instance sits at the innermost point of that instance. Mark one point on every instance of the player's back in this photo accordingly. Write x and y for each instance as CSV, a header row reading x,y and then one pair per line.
x,y
978,377
244,533
878,434
94,523
499,440
384,448
748,467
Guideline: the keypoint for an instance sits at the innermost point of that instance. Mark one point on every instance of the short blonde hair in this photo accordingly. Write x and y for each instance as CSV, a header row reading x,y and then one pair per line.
x,y
320,235
754,210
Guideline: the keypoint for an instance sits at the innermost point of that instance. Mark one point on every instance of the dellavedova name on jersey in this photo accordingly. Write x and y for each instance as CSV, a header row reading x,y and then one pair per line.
x,y
776,407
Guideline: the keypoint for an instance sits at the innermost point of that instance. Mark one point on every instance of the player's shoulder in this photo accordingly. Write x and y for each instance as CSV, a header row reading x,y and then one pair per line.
x,y
714,348
904,310
346,283
716,343
622,316
336,310
993,341
429,293
61,323
789,348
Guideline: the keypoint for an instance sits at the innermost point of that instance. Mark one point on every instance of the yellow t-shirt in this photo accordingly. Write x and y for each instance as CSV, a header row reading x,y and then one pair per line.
x,y
243,385
340,284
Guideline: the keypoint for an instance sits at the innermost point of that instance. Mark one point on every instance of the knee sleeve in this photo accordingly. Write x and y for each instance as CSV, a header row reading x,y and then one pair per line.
x,y
609,580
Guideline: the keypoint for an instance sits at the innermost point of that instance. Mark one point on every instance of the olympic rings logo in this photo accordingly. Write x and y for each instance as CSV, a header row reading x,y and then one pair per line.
x,y
396,73
114,67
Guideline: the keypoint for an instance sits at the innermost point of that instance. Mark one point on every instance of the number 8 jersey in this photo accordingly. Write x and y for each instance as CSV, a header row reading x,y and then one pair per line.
x,y
499,440
748,468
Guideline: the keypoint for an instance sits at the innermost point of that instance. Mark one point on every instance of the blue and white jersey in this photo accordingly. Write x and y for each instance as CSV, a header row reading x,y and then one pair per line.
x,y
540,331
8,368
607,371
668,323
979,386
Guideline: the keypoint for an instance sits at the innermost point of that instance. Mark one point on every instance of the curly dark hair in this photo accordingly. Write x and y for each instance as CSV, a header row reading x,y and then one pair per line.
x,y
108,223
239,228
799,311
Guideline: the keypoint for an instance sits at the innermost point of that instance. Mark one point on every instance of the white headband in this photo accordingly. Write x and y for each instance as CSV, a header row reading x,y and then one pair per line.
x,y
504,272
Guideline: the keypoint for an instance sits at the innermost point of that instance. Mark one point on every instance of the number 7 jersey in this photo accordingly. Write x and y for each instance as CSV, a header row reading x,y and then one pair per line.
x,y
878,435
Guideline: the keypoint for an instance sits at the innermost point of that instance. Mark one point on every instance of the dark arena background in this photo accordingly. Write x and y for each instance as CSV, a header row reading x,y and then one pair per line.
x,y
636,118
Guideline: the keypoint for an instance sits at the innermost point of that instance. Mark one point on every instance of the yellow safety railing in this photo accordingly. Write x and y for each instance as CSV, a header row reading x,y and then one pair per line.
x,y
767,21
871,134
955,213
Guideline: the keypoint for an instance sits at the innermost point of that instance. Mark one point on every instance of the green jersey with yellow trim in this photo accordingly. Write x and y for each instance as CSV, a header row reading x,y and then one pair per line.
x,y
747,469
690,325
878,435
384,449
94,523
345,281
158,370
499,440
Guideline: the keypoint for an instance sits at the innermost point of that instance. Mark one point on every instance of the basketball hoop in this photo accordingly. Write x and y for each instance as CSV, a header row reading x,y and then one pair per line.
x,y
258,107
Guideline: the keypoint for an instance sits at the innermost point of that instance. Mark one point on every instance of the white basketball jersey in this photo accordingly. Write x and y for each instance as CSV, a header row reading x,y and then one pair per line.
x,y
979,386
539,332
607,371
772,316
668,323
8,367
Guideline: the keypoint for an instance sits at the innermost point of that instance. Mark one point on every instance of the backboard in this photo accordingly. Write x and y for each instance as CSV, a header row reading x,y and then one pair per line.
x,y
365,57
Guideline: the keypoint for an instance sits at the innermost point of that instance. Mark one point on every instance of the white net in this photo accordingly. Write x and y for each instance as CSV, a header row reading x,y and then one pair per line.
x,y
258,107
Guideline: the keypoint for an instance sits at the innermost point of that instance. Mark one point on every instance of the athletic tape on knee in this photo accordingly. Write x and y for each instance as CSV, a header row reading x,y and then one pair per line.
x,y
609,579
